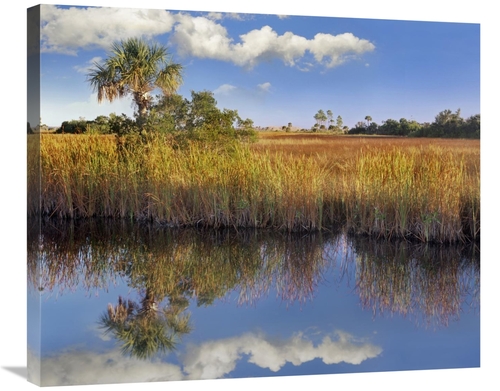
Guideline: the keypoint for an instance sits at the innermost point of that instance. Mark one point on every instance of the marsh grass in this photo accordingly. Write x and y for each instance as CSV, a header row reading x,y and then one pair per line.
x,y
426,190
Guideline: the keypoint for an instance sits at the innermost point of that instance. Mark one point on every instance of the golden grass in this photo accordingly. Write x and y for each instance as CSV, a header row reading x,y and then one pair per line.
x,y
424,189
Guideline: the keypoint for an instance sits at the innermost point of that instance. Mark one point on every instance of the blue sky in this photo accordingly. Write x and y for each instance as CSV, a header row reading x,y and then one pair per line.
x,y
273,69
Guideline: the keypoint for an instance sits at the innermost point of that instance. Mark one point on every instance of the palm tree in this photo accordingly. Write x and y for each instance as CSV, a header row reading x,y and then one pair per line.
x,y
144,329
135,68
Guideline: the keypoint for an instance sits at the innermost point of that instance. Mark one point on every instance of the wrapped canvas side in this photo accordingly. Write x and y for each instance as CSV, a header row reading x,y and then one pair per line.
x,y
33,197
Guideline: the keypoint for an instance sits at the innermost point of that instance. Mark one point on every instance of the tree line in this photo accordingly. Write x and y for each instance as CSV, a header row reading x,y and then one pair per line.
x,y
447,124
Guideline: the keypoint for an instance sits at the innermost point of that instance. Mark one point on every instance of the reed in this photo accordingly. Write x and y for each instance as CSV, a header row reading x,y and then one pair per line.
x,y
425,190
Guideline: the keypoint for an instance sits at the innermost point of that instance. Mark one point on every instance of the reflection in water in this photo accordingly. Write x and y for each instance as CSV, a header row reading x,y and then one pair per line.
x,y
144,329
173,270
210,360
397,277
215,359
408,279
200,265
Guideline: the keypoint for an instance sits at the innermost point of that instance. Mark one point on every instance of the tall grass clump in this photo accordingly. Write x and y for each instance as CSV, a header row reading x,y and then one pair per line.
x,y
374,187
415,192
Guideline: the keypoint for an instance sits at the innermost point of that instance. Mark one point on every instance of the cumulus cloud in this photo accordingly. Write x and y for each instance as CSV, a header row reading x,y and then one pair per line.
x,y
338,48
67,30
204,38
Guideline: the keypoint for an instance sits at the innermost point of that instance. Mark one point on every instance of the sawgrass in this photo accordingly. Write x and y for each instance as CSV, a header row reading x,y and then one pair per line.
x,y
427,190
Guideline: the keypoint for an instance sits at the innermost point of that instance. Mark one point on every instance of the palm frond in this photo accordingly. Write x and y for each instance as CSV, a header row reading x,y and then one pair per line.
x,y
169,78
135,67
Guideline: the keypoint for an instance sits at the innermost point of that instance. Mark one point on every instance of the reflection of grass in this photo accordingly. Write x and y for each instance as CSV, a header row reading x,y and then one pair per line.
x,y
175,263
407,280
203,266
423,190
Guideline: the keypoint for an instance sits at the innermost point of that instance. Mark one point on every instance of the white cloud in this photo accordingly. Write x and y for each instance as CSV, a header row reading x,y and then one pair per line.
x,y
218,358
264,86
215,15
67,30
338,48
210,360
224,89
73,367
201,37
237,16
228,15
204,38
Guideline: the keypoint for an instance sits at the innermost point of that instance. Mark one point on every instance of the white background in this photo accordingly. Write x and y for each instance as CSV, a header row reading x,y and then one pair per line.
x,y
13,191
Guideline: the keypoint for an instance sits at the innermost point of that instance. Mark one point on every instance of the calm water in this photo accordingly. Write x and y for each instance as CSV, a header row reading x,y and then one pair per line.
x,y
130,303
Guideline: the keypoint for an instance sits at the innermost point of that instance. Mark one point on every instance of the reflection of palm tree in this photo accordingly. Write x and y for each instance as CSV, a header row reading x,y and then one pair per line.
x,y
145,329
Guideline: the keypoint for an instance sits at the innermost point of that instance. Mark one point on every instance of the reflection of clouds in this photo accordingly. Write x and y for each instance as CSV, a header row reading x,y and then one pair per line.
x,y
217,358
83,367
209,360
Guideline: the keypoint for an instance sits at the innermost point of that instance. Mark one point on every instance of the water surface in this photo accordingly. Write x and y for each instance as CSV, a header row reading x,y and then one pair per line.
x,y
130,302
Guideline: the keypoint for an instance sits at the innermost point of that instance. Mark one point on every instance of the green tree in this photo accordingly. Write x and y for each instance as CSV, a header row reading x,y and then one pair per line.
x,y
320,117
447,124
135,68
472,126
340,122
368,120
359,128
173,107
202,109
390,127
329,115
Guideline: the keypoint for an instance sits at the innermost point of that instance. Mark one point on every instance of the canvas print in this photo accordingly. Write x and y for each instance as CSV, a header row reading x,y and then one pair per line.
x,y
219,195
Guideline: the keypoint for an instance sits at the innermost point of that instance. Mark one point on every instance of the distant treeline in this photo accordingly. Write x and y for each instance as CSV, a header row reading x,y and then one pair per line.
x,y
446,124
174,114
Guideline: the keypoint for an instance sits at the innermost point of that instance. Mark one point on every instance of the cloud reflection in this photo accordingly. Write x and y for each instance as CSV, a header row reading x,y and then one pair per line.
x,y
72,367
210,360
218,358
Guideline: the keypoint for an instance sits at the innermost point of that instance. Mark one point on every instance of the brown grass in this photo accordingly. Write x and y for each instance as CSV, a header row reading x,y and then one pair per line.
x,y
423,189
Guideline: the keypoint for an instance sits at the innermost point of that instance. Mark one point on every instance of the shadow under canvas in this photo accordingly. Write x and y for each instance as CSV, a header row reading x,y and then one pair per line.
x,y
19,371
